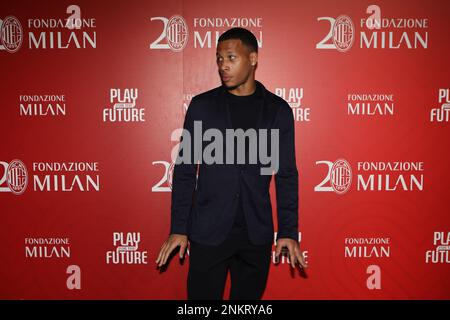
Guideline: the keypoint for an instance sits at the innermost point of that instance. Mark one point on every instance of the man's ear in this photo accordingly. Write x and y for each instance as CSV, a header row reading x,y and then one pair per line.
x,y
253,58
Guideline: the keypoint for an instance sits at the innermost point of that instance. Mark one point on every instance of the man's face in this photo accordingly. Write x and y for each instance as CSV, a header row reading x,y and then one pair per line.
x,y
234,61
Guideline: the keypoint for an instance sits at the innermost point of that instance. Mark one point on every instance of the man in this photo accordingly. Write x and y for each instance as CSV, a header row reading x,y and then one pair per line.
x,y
225,213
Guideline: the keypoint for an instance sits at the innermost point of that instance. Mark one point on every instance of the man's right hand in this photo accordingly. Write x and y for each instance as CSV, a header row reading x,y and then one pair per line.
x,y
169,245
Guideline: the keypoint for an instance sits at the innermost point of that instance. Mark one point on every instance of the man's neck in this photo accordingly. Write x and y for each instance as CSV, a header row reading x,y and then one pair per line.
x,y
244,89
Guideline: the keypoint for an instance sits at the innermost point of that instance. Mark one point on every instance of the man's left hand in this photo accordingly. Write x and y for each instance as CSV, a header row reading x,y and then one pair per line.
x,y
295,255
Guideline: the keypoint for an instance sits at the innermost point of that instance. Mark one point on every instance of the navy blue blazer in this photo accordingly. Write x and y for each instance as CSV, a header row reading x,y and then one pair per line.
x,y
205,196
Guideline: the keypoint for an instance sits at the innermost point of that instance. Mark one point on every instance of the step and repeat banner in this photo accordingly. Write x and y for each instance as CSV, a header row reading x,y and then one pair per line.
x,y
92,91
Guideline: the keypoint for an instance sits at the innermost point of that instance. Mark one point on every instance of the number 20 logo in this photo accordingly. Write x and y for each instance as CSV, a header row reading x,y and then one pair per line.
x,y
175,31
339,176
342,32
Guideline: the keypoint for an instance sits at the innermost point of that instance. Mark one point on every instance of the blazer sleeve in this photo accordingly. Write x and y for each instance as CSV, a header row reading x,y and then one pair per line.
x,y
286,179
184,177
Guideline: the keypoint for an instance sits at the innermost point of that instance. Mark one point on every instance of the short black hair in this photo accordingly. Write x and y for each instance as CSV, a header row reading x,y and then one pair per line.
x,y
246,36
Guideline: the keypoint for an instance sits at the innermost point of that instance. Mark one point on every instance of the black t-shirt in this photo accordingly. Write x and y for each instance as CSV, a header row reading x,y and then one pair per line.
x,y
244,110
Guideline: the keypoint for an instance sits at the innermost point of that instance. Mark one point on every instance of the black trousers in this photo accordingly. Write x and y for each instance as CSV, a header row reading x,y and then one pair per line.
x,y
248,265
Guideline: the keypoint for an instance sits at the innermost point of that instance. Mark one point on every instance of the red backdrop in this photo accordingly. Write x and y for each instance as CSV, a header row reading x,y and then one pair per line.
x,y
91,94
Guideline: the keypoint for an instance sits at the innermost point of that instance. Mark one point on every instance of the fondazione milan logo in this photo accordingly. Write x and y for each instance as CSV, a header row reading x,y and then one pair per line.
x,y
341,176
17,177
11,34
176,33
343,33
